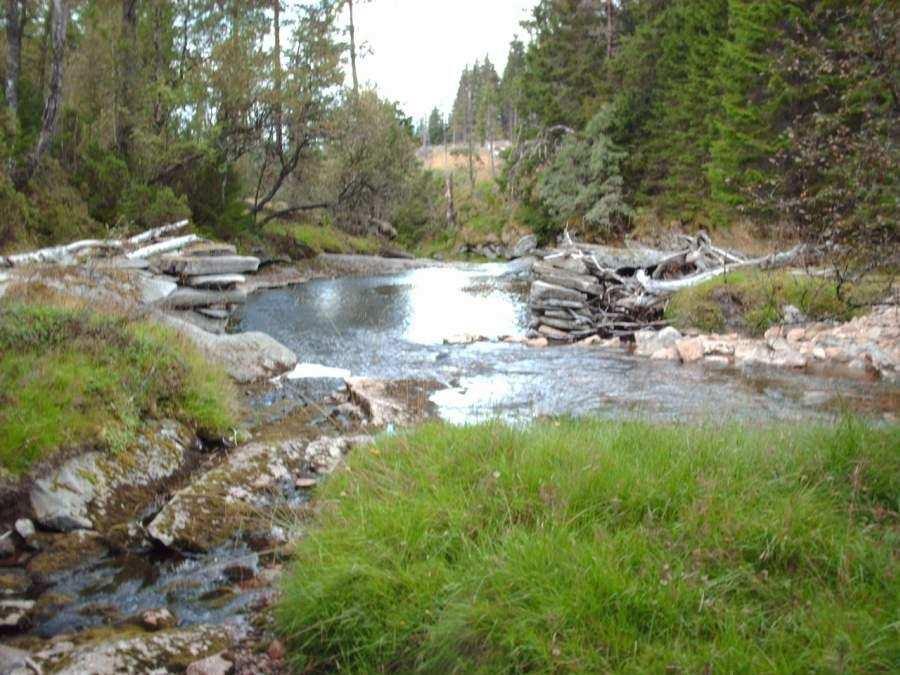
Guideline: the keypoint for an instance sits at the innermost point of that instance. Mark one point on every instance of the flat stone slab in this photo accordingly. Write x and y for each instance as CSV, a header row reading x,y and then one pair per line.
x,y
161,652
222,503
186,265
216,280
209,248
77,494
187,298
246,357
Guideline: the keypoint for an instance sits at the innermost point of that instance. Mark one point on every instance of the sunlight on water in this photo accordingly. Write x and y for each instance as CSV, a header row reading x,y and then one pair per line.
x,y
440,304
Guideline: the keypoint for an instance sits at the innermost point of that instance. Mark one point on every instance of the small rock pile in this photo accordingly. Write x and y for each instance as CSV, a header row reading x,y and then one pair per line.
x,y
868,344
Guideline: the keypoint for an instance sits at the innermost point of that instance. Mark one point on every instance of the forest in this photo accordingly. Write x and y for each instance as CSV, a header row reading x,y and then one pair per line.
x,y
636,115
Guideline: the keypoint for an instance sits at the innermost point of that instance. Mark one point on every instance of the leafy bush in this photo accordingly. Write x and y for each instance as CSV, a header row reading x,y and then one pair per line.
x,y
601,546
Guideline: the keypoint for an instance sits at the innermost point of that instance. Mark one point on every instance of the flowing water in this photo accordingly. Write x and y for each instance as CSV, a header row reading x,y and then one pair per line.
x,y
395,327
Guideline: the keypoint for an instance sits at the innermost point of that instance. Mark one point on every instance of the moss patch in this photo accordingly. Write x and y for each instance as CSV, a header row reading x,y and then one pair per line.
x,y
73,377
752,301
597,546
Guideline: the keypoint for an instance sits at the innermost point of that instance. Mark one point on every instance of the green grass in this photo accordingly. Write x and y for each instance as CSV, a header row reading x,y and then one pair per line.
x,y
752,301
314,239
75,378
594,546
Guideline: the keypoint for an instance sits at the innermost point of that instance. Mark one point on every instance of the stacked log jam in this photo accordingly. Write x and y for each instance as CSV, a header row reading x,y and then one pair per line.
x,y
200,280
580,290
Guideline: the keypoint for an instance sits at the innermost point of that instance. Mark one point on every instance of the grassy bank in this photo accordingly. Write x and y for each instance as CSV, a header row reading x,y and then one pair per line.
x,y
752,301
301,240
592,546
71,377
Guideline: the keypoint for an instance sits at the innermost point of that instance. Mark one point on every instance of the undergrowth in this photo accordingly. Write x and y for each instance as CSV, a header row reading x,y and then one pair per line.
x,y
597,546
753,301
72,378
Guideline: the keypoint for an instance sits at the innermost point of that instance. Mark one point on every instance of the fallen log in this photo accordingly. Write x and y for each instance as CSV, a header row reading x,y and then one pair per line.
x,y
64,253
166,246
674,285
156,233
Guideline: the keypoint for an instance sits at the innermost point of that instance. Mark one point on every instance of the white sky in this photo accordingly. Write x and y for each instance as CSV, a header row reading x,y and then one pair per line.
x,y
419,47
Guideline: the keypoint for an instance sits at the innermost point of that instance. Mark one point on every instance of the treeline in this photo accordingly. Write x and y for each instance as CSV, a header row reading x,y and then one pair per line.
x,y
133,113
703,112
485,107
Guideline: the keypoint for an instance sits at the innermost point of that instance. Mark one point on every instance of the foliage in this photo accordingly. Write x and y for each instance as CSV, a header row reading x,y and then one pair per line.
x,y
600,546
753,300
369,161
776,111
74,377
584,179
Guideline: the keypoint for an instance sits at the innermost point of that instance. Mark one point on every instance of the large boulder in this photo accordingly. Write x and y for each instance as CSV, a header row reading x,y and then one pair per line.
x,y
649,342
246,357
524,246
80,493
161,652
392,402
226,500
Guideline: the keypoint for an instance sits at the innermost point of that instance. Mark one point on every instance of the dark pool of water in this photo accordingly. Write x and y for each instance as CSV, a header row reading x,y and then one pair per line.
x,y
395,327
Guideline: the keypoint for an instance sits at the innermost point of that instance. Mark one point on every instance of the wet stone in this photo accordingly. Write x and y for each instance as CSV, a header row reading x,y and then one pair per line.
x,y
14,581
158,619
15,614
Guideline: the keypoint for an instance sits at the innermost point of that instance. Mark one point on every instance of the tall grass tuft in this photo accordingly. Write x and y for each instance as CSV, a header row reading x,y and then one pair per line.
x,y
596,546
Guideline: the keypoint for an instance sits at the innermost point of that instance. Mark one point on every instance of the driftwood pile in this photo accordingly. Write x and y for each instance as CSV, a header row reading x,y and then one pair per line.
x,y
203,278
580,290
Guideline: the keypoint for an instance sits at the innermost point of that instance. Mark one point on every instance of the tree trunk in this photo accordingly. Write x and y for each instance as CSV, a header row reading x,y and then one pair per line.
x,y
470,133
60,21
127,74
279,113
451,211
609,28
353,50
14,25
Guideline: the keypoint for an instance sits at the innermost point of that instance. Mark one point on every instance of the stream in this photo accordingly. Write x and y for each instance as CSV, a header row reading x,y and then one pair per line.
x,y
395,326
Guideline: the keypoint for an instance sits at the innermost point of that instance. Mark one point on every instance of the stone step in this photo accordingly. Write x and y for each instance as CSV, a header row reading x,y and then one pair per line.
x,y
200,266
188,298
215,280
210,249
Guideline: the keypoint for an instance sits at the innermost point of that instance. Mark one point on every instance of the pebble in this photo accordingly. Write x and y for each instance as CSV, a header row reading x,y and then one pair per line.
x,y
25,528
158,619
211,665
276,650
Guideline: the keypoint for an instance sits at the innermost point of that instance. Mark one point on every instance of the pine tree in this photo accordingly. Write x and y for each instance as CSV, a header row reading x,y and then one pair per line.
x,y
752,98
